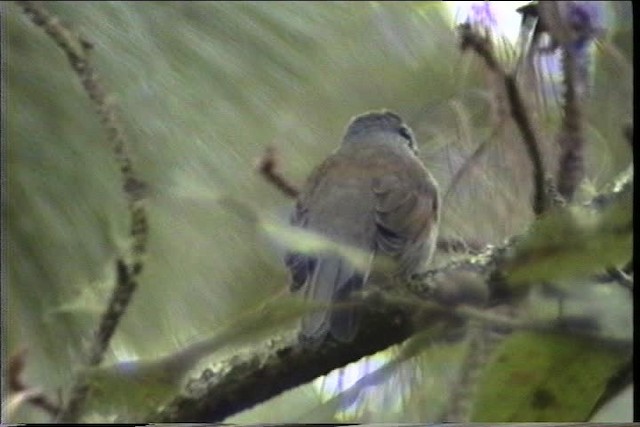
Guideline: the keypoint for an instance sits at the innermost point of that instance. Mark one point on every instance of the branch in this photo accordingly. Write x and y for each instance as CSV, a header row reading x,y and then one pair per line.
x,y
269,167
77,50
16,365
474,158
469,39
246,380
520,117
570,137
254,378
571,169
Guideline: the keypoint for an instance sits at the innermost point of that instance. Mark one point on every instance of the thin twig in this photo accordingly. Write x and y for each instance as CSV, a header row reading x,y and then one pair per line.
x,y
473,159
520,117
481,45
469,39
17,362
269,167
77,50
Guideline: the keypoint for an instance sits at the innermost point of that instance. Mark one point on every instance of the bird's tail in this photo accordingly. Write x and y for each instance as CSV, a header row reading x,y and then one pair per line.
x,y
333,280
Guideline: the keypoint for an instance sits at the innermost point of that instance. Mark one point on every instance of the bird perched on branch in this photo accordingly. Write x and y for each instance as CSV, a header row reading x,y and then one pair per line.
x,y
374,199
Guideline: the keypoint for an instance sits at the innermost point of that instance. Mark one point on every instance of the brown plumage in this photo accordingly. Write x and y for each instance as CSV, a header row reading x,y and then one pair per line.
x,y
372,194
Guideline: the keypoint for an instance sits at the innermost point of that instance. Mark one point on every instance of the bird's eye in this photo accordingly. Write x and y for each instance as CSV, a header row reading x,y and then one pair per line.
x,y
405,133
408,136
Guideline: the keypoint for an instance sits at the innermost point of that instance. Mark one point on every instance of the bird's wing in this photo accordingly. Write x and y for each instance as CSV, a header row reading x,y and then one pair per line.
x,y
340,216
300,266
406,216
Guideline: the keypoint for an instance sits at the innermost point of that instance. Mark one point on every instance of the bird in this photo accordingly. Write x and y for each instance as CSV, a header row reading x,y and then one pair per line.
x,y
372,194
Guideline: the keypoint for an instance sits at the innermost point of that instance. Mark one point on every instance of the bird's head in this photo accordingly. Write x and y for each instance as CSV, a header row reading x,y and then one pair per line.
x,y
382,123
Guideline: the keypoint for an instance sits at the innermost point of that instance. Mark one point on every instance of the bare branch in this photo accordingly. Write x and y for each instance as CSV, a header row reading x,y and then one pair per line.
x,y
269,167
481,45
470,39
267,372
77,50
390,318
472,160
16,384
520,117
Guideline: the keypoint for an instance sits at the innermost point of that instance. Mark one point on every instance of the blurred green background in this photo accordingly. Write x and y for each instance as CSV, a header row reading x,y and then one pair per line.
x,y
202,88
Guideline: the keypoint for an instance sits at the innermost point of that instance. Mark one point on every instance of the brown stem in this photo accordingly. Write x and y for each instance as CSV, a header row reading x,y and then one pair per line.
x,y
481,45
77,51
15,369
268,167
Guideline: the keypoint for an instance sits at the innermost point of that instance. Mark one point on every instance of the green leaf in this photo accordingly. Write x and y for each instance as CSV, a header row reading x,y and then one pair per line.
x,y
574,242
544,378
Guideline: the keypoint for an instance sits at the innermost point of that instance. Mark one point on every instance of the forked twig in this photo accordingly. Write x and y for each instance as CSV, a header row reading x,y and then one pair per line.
x,y
15,369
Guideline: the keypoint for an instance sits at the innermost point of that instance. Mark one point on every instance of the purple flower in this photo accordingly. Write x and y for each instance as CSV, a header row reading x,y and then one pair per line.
x,y
587,20
481,14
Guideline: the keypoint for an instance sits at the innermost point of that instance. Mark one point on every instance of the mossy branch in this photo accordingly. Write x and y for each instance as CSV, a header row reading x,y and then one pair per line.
x,y
246,380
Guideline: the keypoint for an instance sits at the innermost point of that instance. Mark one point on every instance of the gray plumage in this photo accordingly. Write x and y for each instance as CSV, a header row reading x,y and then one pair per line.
x,y
372,194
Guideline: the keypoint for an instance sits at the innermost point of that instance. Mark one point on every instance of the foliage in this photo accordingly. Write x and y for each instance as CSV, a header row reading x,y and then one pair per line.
x,y
203,87
544,377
